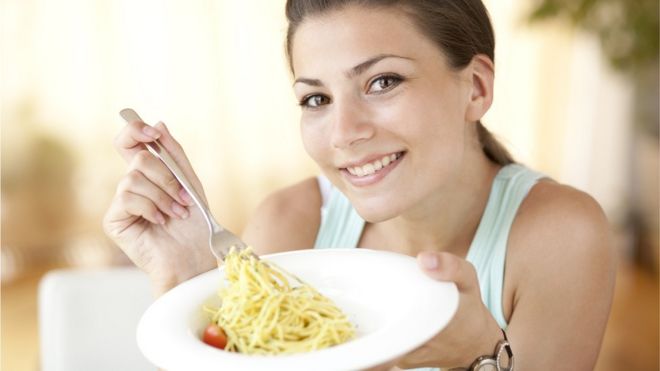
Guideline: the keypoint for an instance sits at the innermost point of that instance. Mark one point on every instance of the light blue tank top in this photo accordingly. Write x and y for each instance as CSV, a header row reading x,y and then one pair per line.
x,y
341,226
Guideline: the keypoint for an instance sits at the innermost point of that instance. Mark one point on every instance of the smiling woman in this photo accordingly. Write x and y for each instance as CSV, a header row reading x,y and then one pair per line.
x,y
216,73
392,96
402,81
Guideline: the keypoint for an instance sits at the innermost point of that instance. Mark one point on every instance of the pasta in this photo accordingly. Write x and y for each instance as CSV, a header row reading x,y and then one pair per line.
x,y
263,313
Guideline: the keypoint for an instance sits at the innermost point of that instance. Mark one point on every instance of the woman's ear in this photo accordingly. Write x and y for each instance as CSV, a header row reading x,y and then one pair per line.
x,y
482,75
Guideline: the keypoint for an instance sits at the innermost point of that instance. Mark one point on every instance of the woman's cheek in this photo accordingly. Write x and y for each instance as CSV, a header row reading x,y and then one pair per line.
x,y
313,141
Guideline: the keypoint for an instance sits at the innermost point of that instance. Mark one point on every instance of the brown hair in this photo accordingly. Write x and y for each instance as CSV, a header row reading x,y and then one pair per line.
x,y
460,28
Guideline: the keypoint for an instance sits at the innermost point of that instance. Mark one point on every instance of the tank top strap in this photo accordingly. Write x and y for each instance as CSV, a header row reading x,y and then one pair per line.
x,y
488,249
341,226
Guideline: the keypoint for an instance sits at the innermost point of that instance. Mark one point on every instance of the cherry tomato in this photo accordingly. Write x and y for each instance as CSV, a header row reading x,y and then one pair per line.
x,y
215,336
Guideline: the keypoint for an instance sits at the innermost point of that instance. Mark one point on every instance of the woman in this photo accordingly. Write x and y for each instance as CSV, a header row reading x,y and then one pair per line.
x,y
392,93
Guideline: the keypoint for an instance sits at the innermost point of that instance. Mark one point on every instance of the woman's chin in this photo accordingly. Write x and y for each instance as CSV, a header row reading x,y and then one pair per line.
x,y
375,213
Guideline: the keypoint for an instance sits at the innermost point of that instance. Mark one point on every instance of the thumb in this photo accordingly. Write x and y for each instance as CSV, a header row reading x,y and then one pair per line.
x,y
444,266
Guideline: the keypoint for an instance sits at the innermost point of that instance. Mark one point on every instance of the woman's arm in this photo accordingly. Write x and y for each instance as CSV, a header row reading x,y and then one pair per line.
x,y
562,267
558,287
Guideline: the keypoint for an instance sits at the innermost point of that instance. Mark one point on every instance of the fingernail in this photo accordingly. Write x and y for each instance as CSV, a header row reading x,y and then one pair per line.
x,y
185,196
179,210
151,132
161,125
428,261
160,218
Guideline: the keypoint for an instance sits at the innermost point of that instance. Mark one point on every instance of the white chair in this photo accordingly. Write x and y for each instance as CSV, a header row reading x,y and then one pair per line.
x,y
87,319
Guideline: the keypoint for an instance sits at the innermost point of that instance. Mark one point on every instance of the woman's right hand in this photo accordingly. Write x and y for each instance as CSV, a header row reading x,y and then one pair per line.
x,y
150,218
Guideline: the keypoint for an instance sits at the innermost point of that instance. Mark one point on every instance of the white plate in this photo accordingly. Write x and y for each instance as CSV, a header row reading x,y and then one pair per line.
x,y
393,304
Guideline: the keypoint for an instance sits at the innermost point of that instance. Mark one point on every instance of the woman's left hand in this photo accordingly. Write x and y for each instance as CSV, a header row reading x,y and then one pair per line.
x,y
472,332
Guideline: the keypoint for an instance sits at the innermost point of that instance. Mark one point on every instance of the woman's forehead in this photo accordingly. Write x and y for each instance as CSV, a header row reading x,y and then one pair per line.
x,y
345,37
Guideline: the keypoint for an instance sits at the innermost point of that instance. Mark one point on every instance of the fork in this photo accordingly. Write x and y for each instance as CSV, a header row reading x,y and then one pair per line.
x,y
221,240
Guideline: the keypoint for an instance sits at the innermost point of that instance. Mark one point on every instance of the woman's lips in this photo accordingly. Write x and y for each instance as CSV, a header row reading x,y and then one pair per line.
x,y
372,172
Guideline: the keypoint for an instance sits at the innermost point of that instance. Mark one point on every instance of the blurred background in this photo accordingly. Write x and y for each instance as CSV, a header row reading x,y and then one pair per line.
x,y
576,98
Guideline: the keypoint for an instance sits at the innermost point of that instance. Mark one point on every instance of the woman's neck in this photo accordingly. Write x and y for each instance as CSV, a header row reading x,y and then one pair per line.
x,y
448,219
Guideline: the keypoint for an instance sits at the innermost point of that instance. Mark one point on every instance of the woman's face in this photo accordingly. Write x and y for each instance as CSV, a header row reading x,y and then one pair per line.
x,y
382,113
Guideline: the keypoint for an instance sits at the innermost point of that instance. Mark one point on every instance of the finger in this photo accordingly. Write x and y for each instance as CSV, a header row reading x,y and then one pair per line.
x,y
128,204
136,182
176,151
444,266
132,137
156,172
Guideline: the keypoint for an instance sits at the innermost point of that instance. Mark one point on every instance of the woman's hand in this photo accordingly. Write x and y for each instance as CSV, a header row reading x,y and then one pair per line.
x,y
150,218
472,331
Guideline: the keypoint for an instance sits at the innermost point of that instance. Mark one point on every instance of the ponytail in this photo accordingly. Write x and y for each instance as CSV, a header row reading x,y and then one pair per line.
x,y
493,149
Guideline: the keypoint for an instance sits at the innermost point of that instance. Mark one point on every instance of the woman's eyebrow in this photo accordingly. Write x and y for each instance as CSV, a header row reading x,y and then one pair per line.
x,y
312,82
353,72
360,68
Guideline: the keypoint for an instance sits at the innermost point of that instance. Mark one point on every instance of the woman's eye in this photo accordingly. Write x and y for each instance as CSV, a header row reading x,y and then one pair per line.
x,y
314,101
384,83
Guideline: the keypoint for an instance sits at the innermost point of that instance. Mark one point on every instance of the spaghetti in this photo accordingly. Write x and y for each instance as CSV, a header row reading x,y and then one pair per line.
x,y
263,313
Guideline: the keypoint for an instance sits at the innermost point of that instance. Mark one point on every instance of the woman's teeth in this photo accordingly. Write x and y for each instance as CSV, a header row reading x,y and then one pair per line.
x,y
374,166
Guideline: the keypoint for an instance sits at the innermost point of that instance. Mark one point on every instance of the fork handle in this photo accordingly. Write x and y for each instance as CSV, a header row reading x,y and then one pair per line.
x,y
157,149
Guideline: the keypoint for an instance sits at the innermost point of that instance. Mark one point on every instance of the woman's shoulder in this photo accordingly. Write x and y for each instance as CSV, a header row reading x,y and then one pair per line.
x,y
550,207
558,225
287,219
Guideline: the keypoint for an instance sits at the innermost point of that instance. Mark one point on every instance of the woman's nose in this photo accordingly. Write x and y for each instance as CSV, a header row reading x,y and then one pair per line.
x,y
351,125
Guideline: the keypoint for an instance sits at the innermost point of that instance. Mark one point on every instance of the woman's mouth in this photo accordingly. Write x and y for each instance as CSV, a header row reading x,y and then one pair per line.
x,y
372,171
